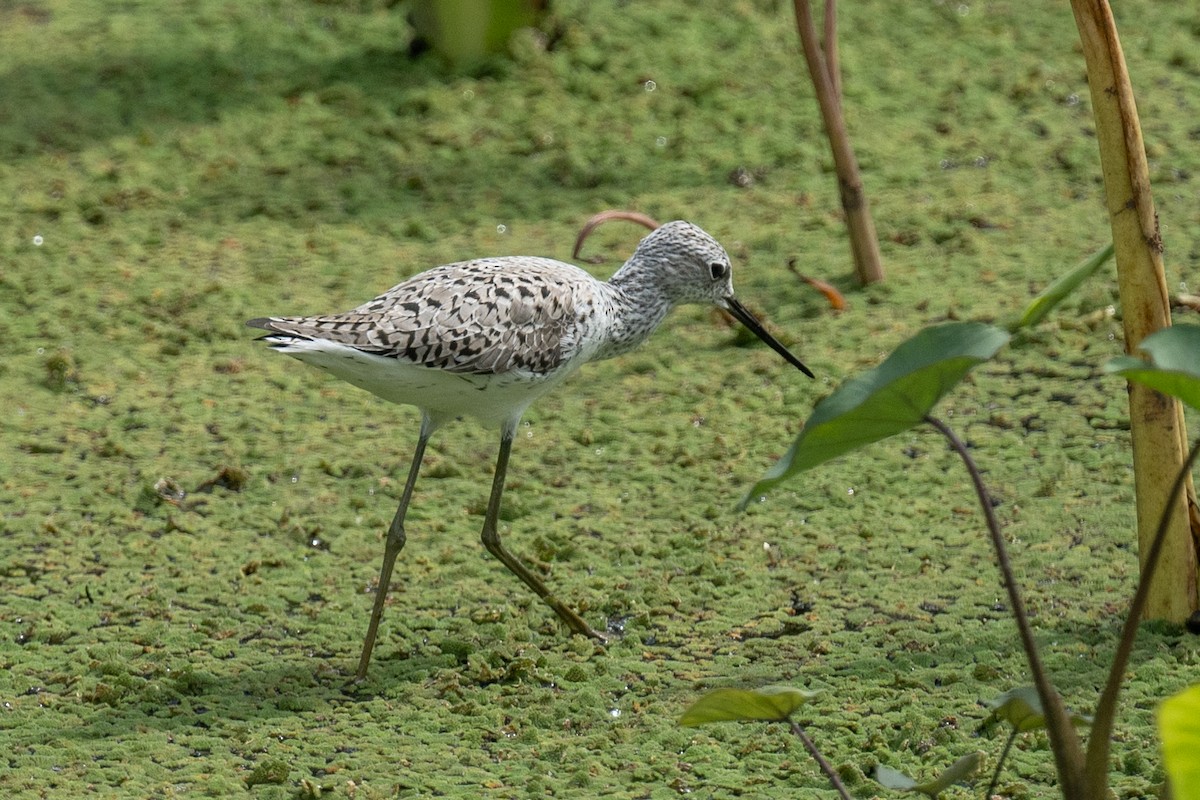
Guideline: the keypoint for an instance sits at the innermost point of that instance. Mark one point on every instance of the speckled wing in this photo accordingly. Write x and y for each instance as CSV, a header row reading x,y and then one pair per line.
x,y
482,317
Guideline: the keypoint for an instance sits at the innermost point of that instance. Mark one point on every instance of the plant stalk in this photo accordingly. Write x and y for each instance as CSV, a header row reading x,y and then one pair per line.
x,y
829,39
826,767
1096,768
864,244
1068,753
1012,737
1157,427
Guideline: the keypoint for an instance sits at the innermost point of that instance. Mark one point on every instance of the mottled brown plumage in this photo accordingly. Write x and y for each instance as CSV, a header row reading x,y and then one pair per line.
x,y
482,317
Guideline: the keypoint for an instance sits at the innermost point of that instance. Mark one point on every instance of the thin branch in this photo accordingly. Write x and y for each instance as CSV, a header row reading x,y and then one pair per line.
x,y
1068,754
825,766
1012,737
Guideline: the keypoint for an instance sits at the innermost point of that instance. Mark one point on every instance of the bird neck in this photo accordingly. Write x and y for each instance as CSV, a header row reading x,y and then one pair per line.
x,y
636,307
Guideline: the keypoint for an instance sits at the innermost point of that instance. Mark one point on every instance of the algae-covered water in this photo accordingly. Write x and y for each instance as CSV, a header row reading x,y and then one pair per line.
x,y
190,526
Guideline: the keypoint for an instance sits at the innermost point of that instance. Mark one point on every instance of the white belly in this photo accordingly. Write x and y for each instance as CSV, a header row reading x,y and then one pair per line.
x,y
492,399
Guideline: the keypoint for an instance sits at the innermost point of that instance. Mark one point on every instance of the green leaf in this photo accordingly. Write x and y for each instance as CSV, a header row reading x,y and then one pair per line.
x,y
1174,366
1179,727
1022,709
1054,294
465,31
960,770
773,703
889,399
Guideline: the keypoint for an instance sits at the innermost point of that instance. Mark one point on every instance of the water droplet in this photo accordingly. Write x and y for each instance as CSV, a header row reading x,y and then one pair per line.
x,y
295,479
650,86
37,240
661,141
468,94
1072,99
41,351
614,712
850,491
599,451
528,434
501,229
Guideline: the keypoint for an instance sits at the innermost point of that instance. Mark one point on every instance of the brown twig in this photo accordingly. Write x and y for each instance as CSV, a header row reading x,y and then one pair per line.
x,y
837,300
604,216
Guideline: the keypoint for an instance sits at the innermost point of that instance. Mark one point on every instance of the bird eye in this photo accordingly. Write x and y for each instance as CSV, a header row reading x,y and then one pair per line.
x,y
718,270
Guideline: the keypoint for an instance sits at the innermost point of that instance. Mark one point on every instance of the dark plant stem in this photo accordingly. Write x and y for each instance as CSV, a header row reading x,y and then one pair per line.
x,y
1012,737
825,766
1068,753
1096,767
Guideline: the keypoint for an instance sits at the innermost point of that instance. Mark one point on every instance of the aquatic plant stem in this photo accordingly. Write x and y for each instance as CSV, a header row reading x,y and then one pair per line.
x,y
1096,767
864,244
1012,737
825,766
1157,429
1068,753
829,40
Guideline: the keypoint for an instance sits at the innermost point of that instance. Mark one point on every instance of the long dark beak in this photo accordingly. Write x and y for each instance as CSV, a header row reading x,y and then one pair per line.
x,y
743,316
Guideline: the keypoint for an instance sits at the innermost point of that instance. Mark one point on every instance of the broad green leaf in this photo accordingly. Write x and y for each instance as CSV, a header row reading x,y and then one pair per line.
x,y
960,770
1174,366
1053,294
773,704
889,399
1022,709
1179,727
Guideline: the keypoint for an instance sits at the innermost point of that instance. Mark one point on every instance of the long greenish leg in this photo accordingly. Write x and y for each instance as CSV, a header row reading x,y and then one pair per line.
x,y
391,548
491,540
